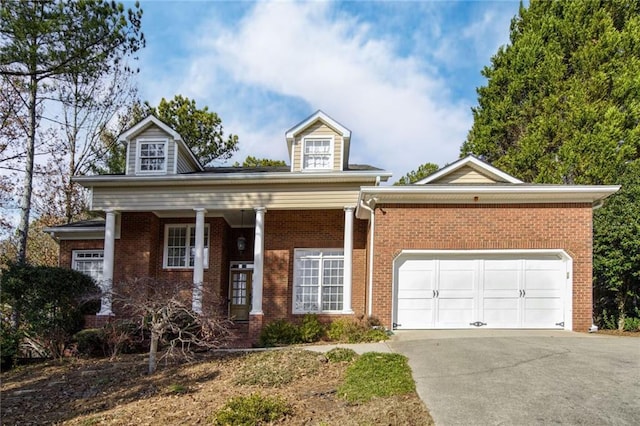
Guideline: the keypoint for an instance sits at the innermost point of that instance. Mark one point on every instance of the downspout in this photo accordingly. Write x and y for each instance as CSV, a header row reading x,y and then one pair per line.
x,y
595,206
371,241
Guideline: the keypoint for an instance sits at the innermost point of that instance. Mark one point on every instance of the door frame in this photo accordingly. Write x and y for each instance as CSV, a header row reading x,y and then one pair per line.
x,y
512,253
239,266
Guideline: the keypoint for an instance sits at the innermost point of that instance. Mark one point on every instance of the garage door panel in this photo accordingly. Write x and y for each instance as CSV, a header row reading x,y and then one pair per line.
x,y
416,304
501,292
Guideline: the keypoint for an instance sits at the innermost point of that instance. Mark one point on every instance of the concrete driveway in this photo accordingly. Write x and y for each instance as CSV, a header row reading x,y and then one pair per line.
x,y
489,377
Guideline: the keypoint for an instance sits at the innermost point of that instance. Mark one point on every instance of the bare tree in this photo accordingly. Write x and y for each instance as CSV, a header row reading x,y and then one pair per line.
x,y
164,309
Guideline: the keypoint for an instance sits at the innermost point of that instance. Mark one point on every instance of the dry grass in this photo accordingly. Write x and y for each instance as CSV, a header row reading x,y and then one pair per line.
x,y
100,392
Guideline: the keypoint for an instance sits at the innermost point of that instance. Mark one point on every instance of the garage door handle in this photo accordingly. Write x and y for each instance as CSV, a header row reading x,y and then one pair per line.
x,y
522,293
436,293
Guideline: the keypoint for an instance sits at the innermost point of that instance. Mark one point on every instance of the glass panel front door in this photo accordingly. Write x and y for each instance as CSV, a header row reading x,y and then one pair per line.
x,y
240,295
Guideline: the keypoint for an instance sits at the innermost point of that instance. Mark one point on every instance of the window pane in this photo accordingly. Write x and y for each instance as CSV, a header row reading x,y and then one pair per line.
x,y
317,154
318,280
90,263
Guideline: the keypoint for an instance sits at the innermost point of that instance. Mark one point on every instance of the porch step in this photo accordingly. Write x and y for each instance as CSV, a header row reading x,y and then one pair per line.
x,y
240,339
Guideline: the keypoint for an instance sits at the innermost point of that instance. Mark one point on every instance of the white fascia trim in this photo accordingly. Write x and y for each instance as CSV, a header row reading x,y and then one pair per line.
x,y
586,191
488,168
108,180
318,115
175,157
143,124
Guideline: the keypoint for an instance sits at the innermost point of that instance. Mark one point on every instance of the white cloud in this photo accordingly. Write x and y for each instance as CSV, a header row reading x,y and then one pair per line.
x,y
313,56
400,116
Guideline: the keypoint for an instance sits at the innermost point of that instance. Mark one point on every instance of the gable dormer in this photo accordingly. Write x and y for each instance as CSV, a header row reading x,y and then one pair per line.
x,y
468,170
155,149
318,144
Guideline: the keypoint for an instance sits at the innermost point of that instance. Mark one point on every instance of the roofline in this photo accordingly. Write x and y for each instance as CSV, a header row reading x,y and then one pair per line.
x,y
372,195
126,135
319,114
240,178
464,161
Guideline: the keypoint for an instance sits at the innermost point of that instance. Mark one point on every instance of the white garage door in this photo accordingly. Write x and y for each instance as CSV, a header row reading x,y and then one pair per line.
x,y
492,291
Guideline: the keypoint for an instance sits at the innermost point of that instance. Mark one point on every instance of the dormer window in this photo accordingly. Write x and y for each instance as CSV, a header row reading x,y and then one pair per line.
x,y
317,154
152,156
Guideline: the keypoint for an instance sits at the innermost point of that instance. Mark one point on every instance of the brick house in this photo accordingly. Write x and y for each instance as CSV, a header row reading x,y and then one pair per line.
x,y
469,246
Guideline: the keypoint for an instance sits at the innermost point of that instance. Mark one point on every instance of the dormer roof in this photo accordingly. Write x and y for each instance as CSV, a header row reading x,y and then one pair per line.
x,y
151,120
469,169
311,120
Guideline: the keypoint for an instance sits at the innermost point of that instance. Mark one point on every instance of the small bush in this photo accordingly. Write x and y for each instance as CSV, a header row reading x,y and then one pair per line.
x,y
91,342
280,332
253,409
341,355
355,331
9,340
311,329
631,324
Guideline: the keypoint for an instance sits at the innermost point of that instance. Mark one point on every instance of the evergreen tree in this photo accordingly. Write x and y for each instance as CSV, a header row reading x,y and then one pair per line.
x,y
562,102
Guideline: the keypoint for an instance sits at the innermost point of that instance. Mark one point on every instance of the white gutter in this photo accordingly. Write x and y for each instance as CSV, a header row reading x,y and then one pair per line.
x,y
371,241
227,178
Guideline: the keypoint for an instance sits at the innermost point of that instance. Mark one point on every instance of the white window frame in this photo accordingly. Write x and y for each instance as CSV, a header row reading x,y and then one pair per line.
x,y
87,256
188,244
322,255
330,139
144,141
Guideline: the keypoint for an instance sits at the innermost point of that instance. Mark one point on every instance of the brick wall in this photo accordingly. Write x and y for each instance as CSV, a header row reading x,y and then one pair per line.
x,y
506,226
288,230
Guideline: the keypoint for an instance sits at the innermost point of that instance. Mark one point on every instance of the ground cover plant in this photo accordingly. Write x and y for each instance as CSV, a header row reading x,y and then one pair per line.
x,y
377,375
120,392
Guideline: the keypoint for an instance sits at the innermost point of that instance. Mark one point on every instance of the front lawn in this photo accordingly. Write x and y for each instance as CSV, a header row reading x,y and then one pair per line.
x,y
95,392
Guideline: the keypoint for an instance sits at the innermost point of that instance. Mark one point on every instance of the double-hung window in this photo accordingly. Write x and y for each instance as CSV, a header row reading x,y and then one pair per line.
x,y
180,246
152,156
318,280
89,262
317,154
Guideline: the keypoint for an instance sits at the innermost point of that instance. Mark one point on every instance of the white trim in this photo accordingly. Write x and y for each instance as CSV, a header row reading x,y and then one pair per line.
x,y
143,124
127,160
474,254
233,178
342,153
296,276
476,164
139,143
175,157
332,145
318,115
165,247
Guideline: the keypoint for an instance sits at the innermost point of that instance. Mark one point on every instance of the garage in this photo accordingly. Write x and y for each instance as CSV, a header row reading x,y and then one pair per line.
x,y
482,289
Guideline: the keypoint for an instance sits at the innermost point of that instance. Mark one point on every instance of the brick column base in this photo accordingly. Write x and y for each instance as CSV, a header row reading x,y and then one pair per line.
x,y
97,321
255,327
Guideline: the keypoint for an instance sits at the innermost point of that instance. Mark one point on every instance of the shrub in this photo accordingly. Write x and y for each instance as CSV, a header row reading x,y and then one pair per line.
x,y
9,340
50,303
355,331
631,324
311,329
341,355
91,342
253,409
280,332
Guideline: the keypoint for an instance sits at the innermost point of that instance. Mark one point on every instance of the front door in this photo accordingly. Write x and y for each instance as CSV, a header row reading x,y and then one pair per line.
x,y
240,294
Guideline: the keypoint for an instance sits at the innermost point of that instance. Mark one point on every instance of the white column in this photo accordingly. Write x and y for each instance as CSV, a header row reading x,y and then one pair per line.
x,y
198,262
258,263
107,269
348,260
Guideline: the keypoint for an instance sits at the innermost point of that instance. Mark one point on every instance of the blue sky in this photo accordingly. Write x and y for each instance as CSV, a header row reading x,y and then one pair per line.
x,y
400,75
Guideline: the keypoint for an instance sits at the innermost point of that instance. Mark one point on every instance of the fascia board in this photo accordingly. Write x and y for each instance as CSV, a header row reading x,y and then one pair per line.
x,y
583,193
476,164
234,178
